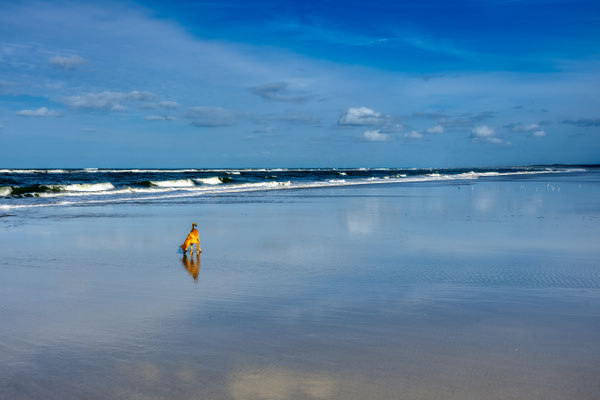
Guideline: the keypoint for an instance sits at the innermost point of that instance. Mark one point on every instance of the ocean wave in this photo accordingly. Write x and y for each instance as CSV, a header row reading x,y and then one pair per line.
x,y
33,171
173,183
237,171
33,190
157,190
134,170
53,190
213,180
5,191
87,187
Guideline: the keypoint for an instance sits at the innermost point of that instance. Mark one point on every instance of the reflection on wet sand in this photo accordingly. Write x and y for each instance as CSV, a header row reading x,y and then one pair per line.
x,y
192,265
280,383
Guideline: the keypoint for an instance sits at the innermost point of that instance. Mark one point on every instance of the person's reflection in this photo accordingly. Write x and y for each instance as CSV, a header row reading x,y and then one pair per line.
x,y
192,265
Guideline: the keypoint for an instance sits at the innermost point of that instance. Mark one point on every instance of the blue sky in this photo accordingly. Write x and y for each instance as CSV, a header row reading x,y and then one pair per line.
x,y
330,83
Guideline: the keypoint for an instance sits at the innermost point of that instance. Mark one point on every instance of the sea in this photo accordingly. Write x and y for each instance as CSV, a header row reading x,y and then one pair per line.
x,y
313,283
27,188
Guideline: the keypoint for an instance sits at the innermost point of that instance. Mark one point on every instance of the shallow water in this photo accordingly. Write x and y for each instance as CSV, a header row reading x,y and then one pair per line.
x,y
489,289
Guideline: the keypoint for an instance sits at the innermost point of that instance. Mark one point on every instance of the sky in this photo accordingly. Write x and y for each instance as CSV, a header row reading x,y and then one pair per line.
x,y
299,84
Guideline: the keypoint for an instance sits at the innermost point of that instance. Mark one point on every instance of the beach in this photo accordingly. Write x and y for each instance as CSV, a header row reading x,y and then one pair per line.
x,y
454,289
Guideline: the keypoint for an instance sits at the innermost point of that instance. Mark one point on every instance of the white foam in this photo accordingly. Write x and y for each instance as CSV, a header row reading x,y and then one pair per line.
x,y
88,187
5,191
17,171
273,184
34,171
136,170
174,183
213,180
85,193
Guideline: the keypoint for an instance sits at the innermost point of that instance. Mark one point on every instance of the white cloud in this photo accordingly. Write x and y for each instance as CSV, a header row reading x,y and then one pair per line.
x,y
160,118
375,136
67,62
532,129
483,131
108,100
168,104
413,135
435,129
40,112
361,116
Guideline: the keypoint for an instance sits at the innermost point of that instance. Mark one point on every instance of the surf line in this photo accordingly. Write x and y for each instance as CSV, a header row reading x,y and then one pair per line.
x,y
267,187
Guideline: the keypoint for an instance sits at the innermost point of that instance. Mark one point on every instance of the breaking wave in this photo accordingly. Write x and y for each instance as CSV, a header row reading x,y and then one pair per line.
x,y
88,187
213,180
174,183
35,188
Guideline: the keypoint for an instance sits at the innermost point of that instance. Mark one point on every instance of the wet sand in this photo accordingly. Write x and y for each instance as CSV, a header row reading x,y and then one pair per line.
x,y
413,291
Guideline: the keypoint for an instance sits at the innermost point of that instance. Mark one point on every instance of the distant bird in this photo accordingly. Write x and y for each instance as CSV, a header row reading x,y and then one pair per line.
x,y
191,239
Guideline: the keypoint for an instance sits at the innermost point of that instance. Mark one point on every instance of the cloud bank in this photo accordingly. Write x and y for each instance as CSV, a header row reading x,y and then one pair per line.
x,y
66,62
484,133
375,136
160,118
413,135
532,129
436,129
107,100
362,116
40,112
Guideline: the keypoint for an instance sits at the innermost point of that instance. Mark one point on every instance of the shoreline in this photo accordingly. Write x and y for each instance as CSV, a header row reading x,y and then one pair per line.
x,y
105,192
338,293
